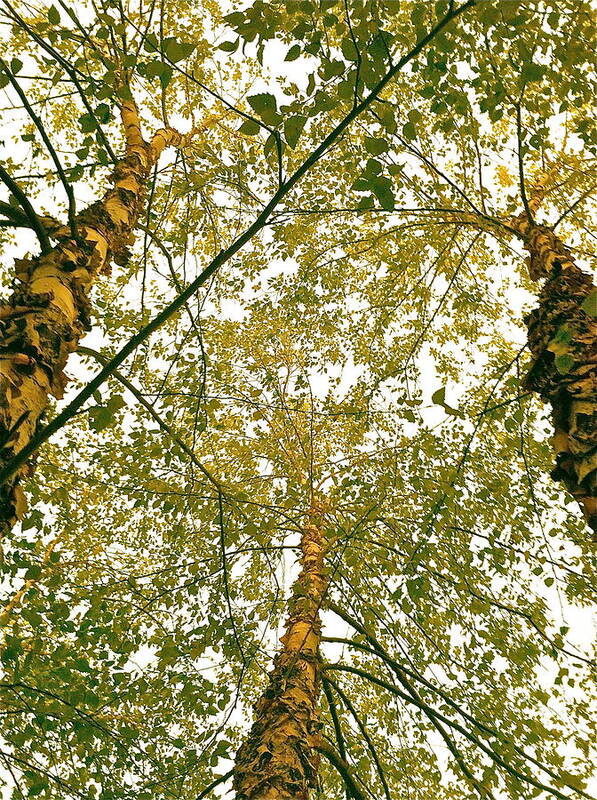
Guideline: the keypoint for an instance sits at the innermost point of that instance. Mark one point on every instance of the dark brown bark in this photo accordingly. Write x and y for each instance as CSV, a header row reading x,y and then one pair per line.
x,y
280,758
42,321
562,336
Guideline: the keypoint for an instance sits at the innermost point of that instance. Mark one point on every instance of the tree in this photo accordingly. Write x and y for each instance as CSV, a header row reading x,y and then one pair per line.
x,y
287,412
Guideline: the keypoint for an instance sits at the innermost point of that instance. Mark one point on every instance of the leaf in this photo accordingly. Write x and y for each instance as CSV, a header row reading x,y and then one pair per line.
x,y
381,186
559,344
100,417
360,185
236,18
53,15
249,128
416,587
373,167
409,131
349,51
165,76
439,397
87,122
266,106
589,305
417,15
293,127
16,65
33,572
40,785
533,72
270,144
177,51
161,70
564,363
150,43
375,145
229,47
293,53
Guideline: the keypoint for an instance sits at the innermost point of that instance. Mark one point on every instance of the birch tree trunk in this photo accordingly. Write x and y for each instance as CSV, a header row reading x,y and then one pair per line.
x,y
279,759
562,336
44,318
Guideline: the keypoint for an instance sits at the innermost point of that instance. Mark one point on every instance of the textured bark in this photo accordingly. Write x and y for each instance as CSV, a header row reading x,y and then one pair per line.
x,y
562,336
42,321
279,759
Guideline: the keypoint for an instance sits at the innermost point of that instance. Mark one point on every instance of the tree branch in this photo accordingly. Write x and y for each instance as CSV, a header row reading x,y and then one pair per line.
x,y
344,769
23,200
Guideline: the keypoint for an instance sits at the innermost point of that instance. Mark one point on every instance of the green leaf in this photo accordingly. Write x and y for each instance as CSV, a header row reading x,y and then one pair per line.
x,y
177,51
439,397
103,112
161,70
416,587
293,127
360,185
270,144
229,47
165,76
563,335
373,167
100,417
589,305
564,363
38,787
249,128
533,72
53,15
381,186
375,145
409,131
33,572
236,18
88,123
150,44
418,14
349,51
293,53
266,106
16,65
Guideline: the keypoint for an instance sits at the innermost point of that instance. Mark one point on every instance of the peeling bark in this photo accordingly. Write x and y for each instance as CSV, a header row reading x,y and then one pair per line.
x,y
49,310
279,760
562,337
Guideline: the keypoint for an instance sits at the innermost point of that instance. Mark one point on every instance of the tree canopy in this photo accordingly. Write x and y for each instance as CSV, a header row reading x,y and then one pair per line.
x,y
298,400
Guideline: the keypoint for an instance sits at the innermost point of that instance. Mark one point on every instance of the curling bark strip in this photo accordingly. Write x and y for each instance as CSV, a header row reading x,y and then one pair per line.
x,y
279,760
562,337
48,312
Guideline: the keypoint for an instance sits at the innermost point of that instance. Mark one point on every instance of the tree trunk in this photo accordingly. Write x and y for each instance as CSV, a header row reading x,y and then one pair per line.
x,y
562,336
42,321
279,759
